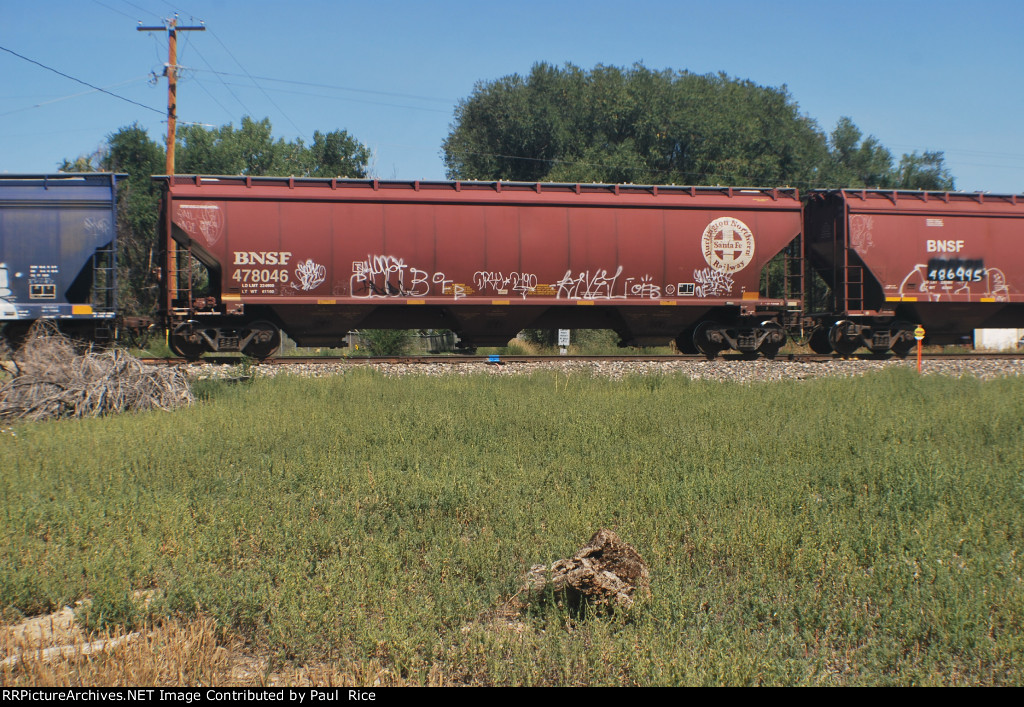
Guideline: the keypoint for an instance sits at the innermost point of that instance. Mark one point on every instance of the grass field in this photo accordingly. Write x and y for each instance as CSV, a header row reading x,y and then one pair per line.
x,y
864,531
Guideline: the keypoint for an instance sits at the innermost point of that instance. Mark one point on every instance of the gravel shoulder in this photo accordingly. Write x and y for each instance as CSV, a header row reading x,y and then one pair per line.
x,y
720,370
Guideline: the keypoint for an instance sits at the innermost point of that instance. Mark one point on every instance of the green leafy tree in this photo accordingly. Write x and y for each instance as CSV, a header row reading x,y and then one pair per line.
x,y
252,150
856,162
249,150
131,151
637,125
337,154
925,172
632,125
82,163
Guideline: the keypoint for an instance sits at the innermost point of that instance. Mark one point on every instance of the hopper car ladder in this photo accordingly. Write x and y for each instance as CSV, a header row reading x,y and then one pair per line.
x,y
853,287
104,289
179,278
847,280
793,260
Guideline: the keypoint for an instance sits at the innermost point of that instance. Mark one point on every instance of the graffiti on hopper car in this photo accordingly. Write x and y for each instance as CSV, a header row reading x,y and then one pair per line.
x,y
710,283
941,279
391,276
600,285
201,221
310,274
589,285
500,283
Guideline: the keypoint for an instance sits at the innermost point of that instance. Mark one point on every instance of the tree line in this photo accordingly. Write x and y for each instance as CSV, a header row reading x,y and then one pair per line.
x,y
609,124
562,124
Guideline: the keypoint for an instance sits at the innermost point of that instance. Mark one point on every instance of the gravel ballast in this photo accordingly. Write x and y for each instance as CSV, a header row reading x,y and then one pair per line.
x,y
720,370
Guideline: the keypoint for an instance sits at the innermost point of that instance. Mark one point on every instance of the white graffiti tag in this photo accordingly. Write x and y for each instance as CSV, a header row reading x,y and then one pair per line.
x,y
380,276
5,283
712,283
860,233
390,276
521,283
599,284
97,226
310,274
644,288
587,285
203,220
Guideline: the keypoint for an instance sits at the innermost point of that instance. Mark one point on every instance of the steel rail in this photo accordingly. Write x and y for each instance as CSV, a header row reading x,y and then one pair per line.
x,y
501,359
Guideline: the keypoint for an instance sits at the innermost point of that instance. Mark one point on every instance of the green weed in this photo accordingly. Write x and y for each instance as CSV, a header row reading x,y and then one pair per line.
x,y
864,531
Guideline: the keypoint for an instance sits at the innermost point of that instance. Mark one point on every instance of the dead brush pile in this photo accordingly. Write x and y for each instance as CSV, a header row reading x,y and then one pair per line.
x,y
50,378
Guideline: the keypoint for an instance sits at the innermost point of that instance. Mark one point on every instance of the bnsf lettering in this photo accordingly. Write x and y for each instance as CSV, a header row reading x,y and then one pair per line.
x,y
262,257
944,246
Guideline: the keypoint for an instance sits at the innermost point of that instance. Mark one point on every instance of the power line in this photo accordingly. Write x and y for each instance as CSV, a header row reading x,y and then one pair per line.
x,y
213,98
339,88
73,95
112,9
84,83
274,103
137,7
233,95
958,151
344,98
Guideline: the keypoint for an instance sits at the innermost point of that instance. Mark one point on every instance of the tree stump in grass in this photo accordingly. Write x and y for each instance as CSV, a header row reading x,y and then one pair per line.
x,y
605,571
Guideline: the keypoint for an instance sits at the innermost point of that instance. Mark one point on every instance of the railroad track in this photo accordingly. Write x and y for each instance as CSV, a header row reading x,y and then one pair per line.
x,y
501,359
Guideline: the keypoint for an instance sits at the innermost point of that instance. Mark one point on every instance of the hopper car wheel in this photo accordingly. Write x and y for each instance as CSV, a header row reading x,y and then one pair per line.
x,y
260,339
818,341
179,343
771,350
684,342
902,348
841,343
702,340
905,345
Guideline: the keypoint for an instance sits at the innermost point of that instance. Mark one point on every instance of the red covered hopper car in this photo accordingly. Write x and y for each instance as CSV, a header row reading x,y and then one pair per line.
x,y
316,258
950,261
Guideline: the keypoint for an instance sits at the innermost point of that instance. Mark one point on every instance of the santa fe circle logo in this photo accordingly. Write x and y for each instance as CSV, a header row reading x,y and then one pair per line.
x,y
728,245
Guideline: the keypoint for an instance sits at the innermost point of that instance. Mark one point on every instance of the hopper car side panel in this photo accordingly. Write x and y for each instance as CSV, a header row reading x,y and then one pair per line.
x,y
320,257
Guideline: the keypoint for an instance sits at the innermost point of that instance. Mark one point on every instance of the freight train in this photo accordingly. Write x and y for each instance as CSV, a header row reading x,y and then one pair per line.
x,y
247,259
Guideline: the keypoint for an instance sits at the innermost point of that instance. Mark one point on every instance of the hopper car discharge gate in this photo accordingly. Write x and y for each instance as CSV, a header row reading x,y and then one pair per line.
x,y
247,258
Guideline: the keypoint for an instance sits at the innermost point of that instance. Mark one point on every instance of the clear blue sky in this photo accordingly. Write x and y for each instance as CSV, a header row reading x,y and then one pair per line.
x,y
936,75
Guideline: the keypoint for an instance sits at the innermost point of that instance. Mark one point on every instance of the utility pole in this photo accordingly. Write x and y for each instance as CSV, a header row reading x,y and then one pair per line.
x,y
171,274
171,72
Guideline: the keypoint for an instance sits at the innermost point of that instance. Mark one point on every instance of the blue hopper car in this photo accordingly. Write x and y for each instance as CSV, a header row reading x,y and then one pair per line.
x,y
58,253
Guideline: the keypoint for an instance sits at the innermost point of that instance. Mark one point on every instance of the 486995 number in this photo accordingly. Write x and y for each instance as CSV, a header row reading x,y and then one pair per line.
x,y
956,270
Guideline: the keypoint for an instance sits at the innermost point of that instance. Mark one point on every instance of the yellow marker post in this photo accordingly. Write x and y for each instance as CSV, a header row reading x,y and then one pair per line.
x,y
919,335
